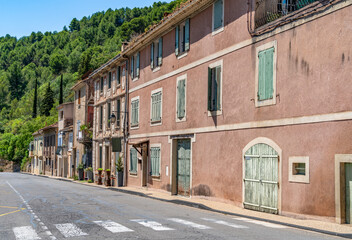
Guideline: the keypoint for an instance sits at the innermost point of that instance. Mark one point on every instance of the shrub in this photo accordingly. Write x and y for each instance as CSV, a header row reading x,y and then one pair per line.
x,y
1,170
80,166
119,165
75,177
90,181
100,169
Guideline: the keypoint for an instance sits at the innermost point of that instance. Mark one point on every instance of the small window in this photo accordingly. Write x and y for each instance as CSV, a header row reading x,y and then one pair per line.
x,y
156,53
182,43
155,161
100,156
101,84
135,66
156,108
218,15
214,87
101,118
110,79
135,112
133,160
118,112
61,115
118,75
108,115
299,169
79,97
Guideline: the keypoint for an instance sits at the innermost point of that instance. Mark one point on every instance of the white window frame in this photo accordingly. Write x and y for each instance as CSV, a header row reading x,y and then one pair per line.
x,y
155,145
214,65
298,178
183,77
272,101
181,54
156,123
139,106
156,66
221,29
135,77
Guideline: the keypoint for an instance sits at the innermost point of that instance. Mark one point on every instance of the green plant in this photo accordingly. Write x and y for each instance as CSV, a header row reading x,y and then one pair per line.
x,y
100,169
1,170
86,129
80,166
107,170
89,169
75,177
119,165
90,181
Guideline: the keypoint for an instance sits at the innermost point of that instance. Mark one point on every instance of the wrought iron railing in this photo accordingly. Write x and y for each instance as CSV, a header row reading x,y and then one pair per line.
x,y
269,10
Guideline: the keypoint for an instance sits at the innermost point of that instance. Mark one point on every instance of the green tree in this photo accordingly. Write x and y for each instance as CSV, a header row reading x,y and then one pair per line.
x,y
48,101
16,83
85,64
61,96
74,25
35,100
58,62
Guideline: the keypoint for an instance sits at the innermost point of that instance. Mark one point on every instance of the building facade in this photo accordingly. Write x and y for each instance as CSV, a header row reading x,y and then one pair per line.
x,y
49,151
37,153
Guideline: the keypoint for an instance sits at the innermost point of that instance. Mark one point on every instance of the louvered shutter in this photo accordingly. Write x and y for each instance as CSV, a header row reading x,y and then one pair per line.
x,y
160,57
218,87
137,71
181,99
209,89
187,43
218,14
132,67
177,32
152,56
265,74
118,75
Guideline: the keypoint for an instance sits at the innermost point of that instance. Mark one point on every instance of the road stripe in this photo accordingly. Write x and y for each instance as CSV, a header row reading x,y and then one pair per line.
x,y
224,223
189,223
25,233
265,224
113,226
70,230
152,224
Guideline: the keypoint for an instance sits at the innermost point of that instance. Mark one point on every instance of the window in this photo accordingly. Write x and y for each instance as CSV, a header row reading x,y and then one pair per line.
x,y
156,53
70,141
61,115
218,16
78,127
77,157
155,161
181,98
214,87
110,78
135,66
156,106
135,112
101,84
118,75
182,43
100,156
79,97
266,75
133,160
101,118
118,112
299,169
108,115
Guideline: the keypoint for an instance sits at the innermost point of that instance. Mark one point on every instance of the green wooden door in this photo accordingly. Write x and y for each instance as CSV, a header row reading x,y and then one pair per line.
x,y
183,167
348,169
261,178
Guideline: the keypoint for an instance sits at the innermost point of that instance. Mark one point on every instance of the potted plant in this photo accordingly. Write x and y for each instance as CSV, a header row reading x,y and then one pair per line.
x,y
81,171
100,179
89,172
119,170
108,177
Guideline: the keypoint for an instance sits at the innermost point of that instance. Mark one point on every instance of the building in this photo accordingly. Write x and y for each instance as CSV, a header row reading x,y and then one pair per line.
x,y
65,155
83,122
109,121
248,104
50,146
37,153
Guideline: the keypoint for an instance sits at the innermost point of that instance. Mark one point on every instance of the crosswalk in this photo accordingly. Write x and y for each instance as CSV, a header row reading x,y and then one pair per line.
x,y
68,230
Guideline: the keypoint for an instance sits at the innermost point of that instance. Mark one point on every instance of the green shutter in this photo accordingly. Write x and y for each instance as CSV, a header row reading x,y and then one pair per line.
x,y
116,145
152,55
137,71
155,161
265,74
156,107
218,14
177,32
133,160
160,57
132,67
209,88
187,35
181,99
218,88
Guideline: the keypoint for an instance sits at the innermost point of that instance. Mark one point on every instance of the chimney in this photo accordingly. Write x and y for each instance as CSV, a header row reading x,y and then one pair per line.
x,y
124,46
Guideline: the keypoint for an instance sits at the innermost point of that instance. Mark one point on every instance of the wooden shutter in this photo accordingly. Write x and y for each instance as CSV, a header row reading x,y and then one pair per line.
x,y
265,74
210,80
160,57
181,99
132,67
177,33
218,14
187,35
137,70
156,107
152,56
218,88
118,112
155,161
133,160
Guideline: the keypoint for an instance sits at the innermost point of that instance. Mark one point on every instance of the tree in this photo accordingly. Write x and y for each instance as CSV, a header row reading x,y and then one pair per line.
x,y
85,64
16,83
35,100
61,97
48,101
58,62
74,25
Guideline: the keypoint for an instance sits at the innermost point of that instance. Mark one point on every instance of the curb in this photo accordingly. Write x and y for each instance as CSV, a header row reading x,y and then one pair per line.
x,y
203,207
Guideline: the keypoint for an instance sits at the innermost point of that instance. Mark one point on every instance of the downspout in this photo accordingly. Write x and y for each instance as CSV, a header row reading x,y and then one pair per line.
x,y
125,130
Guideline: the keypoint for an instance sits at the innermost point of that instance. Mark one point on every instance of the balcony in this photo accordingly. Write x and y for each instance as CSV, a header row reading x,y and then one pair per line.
x,y
85,137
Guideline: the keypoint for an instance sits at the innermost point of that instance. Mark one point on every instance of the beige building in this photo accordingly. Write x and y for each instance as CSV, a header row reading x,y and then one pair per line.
x,y
37,153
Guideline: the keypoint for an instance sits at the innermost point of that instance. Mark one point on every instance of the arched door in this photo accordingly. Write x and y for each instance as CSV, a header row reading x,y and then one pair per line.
x,y
261,178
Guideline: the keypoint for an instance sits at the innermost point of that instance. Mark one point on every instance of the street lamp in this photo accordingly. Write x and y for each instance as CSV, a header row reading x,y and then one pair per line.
x,y
113,118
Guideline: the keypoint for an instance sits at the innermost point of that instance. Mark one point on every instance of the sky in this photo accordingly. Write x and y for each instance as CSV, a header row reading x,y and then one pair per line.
x,y
22,17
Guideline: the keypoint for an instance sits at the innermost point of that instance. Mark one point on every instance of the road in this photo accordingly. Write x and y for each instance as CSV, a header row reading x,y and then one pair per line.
x,y
33,207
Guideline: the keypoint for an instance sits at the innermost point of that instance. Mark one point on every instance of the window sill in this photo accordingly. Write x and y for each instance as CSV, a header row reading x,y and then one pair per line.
x,y
133,174
181,119
217,31
135,79
182,55
134,127
156,178
156,69
268,102
214,113
155,123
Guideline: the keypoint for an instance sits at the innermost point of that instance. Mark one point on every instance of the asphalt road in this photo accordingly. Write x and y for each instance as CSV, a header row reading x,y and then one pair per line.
x,y
40,208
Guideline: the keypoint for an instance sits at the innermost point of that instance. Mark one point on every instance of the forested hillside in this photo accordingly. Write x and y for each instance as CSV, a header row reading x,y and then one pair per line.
x,y
42,58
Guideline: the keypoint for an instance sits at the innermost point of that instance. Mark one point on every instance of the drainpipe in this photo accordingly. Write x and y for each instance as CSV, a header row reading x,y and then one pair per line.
x,y
125,130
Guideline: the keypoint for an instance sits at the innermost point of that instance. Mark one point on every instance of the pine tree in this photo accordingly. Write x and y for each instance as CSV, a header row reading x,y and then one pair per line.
x,y
34,114
48,101
61,97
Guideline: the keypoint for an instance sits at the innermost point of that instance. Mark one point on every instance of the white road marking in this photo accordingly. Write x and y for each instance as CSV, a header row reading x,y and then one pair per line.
x,y
266,224
224,223
152,224
70,230
25,202
188,223
113,226
25,233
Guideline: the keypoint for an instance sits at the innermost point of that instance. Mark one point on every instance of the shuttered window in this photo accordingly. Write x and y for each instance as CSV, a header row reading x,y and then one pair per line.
x,y
100,156
181,98
135,61
156,107
155,161
78,127
133,160
182,40
118,112
135,113
265,74
156,53
214,89
108,115
101,84
101,118
132,67
218,15
110,78
118,75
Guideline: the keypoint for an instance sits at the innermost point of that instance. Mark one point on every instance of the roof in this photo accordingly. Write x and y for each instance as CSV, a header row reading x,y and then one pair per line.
x,y
52,126
102,67
63,104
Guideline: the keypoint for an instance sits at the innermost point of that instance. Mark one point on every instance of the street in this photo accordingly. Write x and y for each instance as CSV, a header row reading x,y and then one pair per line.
x,y
40,208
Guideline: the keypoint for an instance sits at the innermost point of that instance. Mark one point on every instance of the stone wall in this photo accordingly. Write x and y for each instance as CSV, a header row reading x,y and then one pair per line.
x,y
9,166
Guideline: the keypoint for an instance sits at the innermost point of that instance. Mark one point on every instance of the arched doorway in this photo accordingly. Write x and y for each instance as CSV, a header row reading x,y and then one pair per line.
x,y
261,177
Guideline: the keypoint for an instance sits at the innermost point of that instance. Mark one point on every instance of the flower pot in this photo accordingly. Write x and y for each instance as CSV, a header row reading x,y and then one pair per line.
x,y
108,179
81,174
90,175
100,179
119,179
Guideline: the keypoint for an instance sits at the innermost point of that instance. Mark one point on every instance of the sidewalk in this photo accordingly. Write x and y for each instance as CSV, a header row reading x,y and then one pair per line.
x,y
229,209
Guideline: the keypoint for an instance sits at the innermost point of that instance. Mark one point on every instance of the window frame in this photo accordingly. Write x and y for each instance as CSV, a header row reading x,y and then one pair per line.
x,y
118,76
157,145
135,126
296,177
136,58
109,79
118,113
101,85
180,78
181,28
101,117
108,114
156,122
220,29
272,101
220,64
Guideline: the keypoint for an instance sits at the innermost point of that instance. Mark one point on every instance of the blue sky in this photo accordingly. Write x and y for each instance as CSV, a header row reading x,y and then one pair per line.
x,y
22,17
